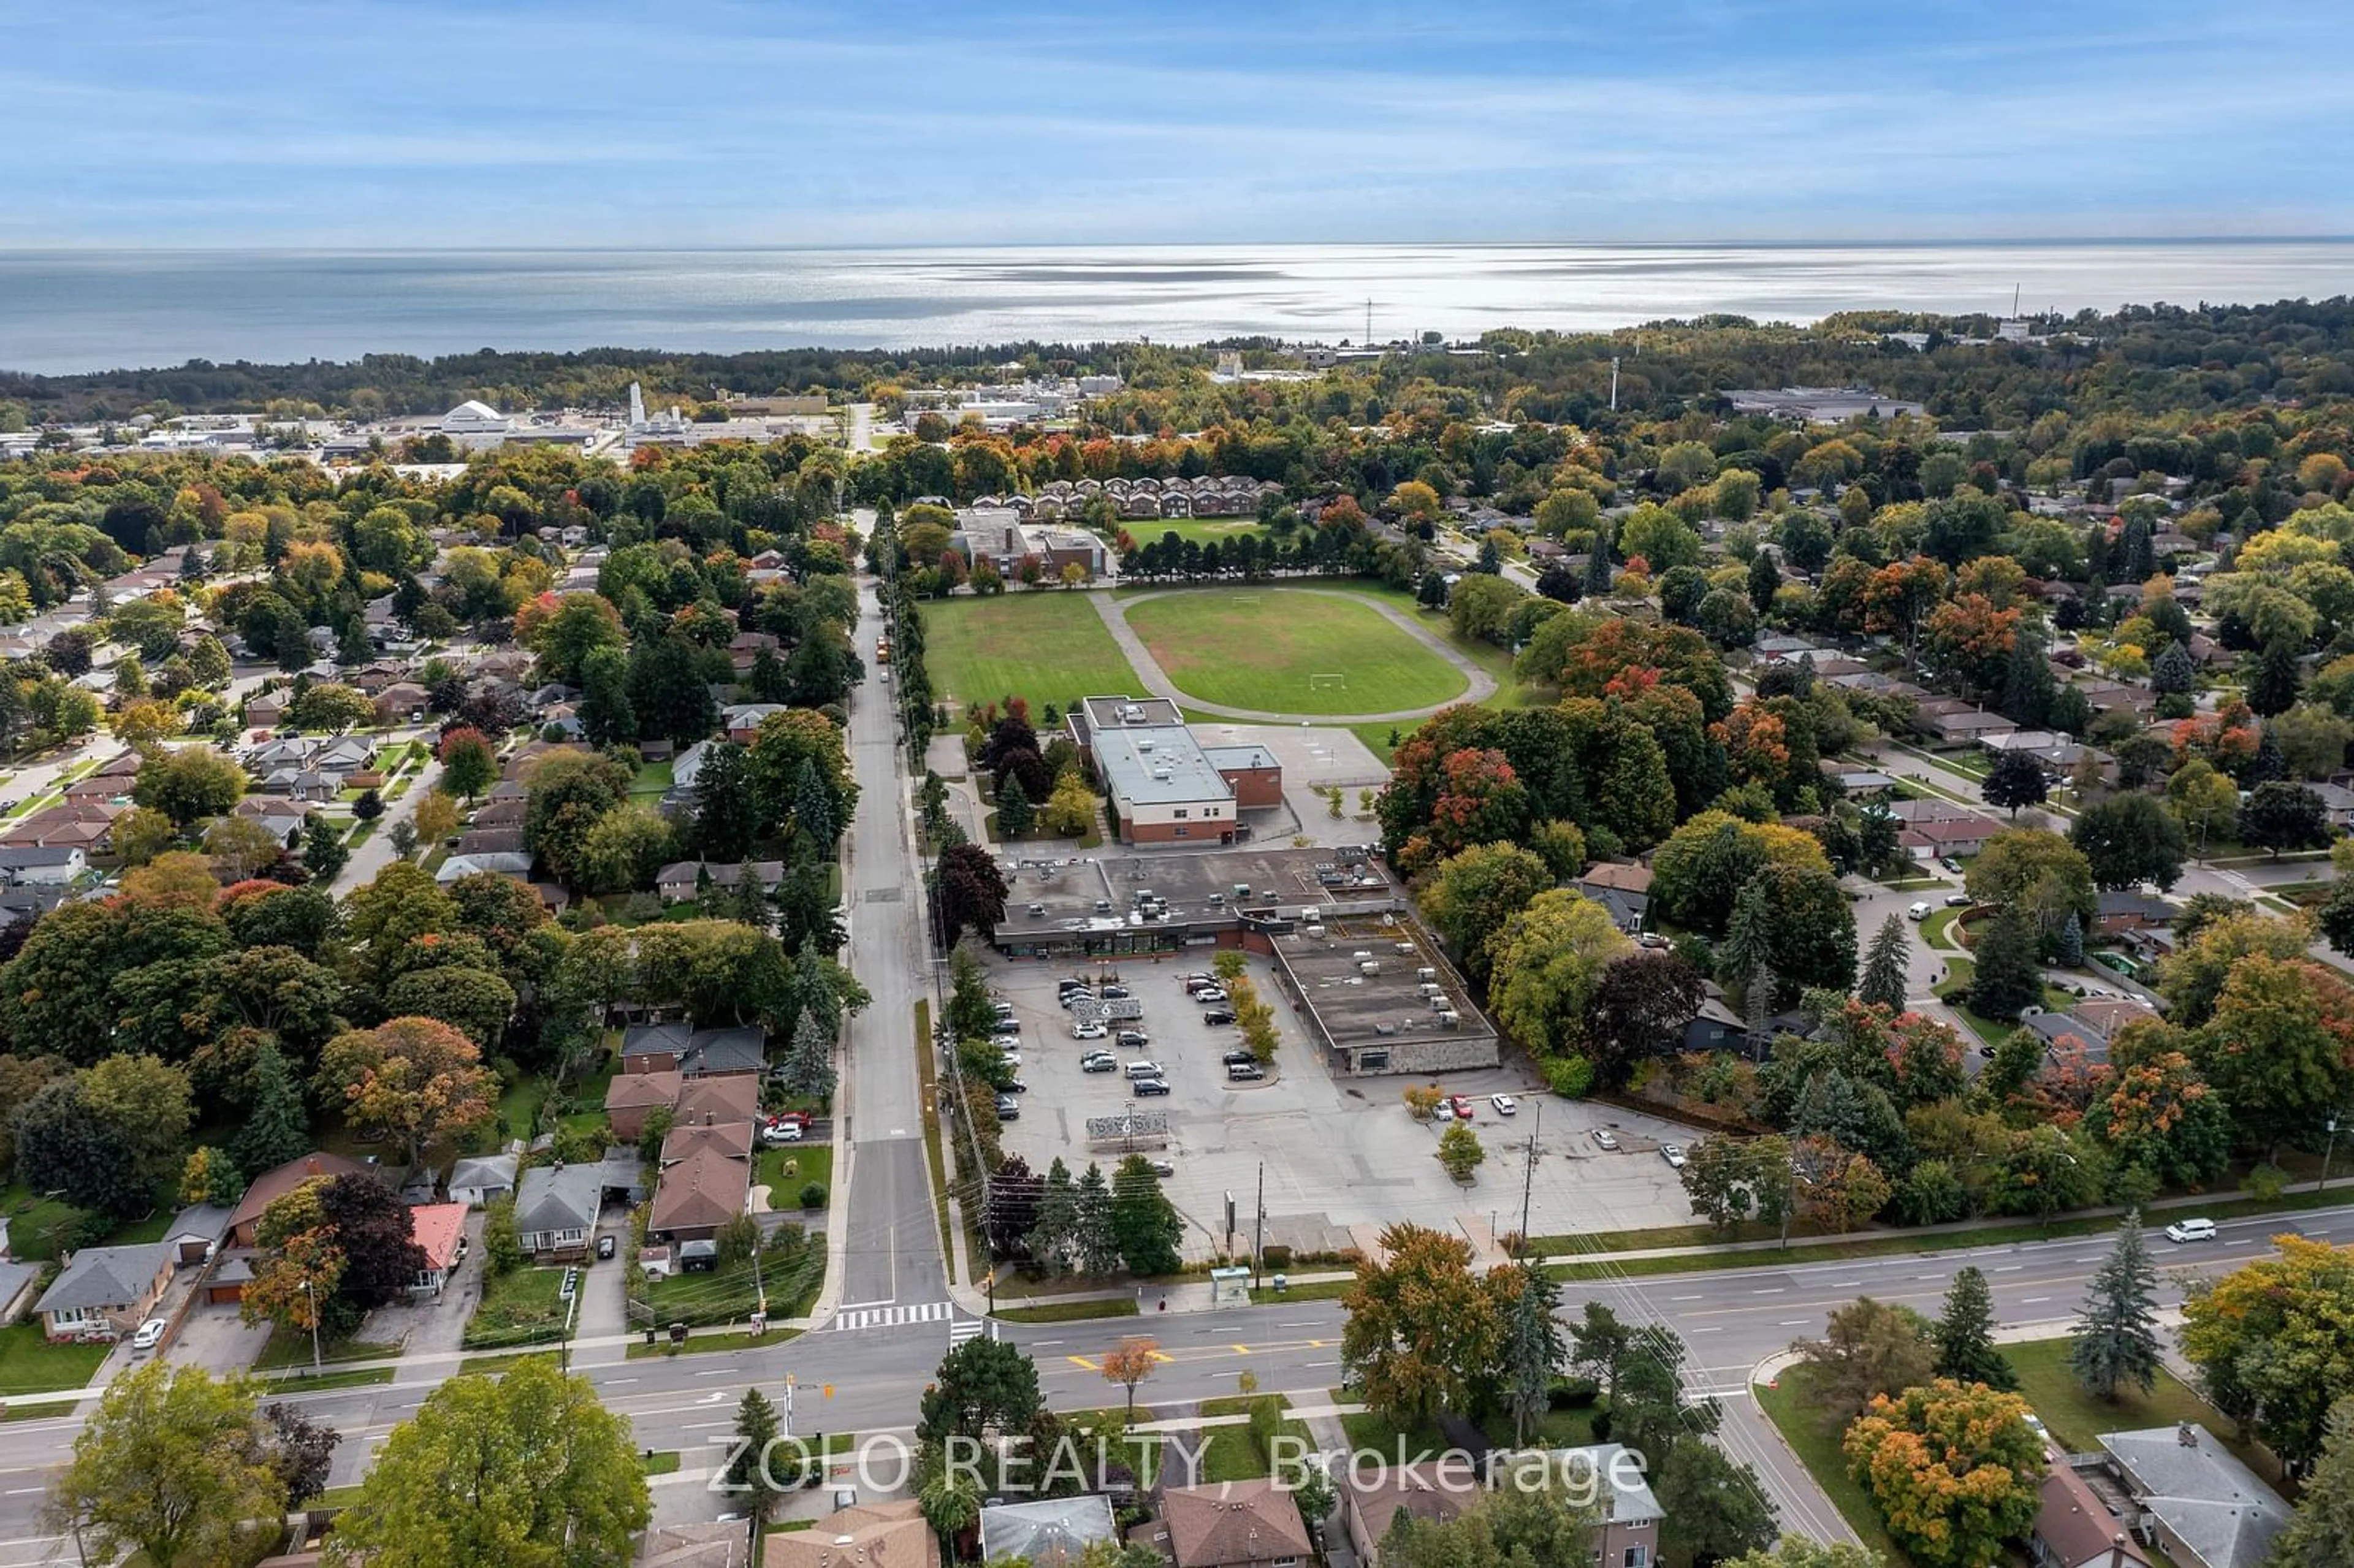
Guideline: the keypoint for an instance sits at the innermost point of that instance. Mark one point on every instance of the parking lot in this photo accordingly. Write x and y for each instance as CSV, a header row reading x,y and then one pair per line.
x,y
1340,1160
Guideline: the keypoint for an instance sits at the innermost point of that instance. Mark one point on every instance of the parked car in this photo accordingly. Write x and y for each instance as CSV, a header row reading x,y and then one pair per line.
x,y
1066,987
150,1334
1141,1069
1919,911
1098,1062
2190,1231
605,1247
1115,994
1461,1105
777,1132
1217,1017
1950,864
1089,1031
1133,1040
1012,1058
1209,993
1142,1088
1244,1071
1232,1057
1071,999
1014,1087
1605,1138
1957,901
1162,1168
1008,1108
1505,1105
1673,1155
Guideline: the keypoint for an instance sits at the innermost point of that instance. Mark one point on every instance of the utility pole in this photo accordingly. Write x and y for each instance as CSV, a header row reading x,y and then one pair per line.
x,y
1613,383
311,1300
1369,320
1258,1229
1529,1180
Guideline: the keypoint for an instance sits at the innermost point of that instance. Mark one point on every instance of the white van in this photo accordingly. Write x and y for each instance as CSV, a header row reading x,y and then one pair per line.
x,y
2182,1230
1918,912
1145,1070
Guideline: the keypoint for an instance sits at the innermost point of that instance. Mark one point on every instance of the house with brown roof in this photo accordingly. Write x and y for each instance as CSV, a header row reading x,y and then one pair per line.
x,y
2074,1529
732,1099
1372,1500
1952,835
631,1097
1234,1524
271,1185
732,1140
696,1195
870,1535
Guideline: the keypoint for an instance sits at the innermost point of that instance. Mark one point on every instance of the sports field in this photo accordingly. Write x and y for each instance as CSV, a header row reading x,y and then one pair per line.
x,y
1286,652
1048,646
1201,530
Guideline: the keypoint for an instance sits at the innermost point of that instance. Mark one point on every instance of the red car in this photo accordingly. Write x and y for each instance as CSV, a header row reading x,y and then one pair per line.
x,y
1461,1105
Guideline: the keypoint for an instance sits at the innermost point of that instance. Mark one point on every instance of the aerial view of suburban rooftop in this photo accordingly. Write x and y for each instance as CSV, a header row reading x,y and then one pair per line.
x,y
1300,788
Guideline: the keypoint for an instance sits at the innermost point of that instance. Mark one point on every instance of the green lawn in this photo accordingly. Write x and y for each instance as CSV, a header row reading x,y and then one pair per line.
x,y
653,778
1047,647
288,1348
1264,649
522,1308
1070,1311
35,1223
1557,1429
2077,1419
702,1344
1201,530
1793,1408
31,1364
1232,1453
791,1270
813,1162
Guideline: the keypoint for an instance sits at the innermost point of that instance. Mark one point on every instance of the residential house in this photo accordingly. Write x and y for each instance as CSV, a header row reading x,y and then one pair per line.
x,y
742,721
265,710
401,702
2115,914
482,1180
632,1096
1854,780
731,1139
1971,725
727,1098
41,865
2075,1529
682,880
701,1192
17,1281
2108,1014
516,864
556,1208
266,1189
1051,1533
1625,890
1946,836
198,1232
1715,1027
2065,1032
490,841
105,1292
713,1543
280,817
1236,1524
1371,1501
1627,1532
2199,1504
440,1231
868,1535
2337,802
695,1052
83,821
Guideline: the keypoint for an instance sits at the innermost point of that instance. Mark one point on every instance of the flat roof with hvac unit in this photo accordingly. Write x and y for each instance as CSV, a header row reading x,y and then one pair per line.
x,y
1137,903
1164,787
1382,997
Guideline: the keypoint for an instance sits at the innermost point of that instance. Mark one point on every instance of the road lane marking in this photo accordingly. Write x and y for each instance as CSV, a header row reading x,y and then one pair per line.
x,y
1691,1297
1711,1328
1770,1290
1793,1322
2032,1300
2007,1268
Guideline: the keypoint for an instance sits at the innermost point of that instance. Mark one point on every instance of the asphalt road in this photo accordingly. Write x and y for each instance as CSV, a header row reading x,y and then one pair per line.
x,y
869,1378
892,1270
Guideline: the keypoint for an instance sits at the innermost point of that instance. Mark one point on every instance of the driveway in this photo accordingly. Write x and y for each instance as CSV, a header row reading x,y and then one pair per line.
x,y
217,1339
432,1330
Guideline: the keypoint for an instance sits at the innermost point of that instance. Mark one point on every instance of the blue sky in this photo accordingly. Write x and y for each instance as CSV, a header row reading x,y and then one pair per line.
x,y
336,122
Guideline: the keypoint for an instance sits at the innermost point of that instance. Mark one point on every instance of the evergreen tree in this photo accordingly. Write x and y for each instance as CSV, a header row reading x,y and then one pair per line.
x,y
1013,811
1748,944
2173,672
1964,1335
813,807
757,1471
2116,1336
2009,979
746,901
1533,1350
1144,1222
277,1127
2275,678
2322,1533
1094,1237
2071,949
1597,565
1886,968
2271,762
606,714
323,853
1765,581
1056,1229
2140,557
808,1066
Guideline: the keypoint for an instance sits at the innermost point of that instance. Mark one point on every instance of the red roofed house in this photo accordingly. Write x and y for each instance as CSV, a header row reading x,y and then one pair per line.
x,y
440,1230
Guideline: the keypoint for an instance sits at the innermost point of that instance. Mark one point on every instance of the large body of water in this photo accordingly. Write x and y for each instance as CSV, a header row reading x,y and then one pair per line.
x,y
78,310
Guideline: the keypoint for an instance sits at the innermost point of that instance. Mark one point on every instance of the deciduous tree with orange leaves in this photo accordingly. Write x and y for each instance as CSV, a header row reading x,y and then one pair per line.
x,y
1953,1468
416,1079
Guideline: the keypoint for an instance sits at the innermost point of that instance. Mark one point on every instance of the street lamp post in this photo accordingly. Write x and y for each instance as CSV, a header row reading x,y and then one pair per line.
x,y
2327,1149
310,1300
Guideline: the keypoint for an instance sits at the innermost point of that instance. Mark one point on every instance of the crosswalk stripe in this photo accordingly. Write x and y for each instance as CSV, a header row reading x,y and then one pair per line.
x,y
892,1316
